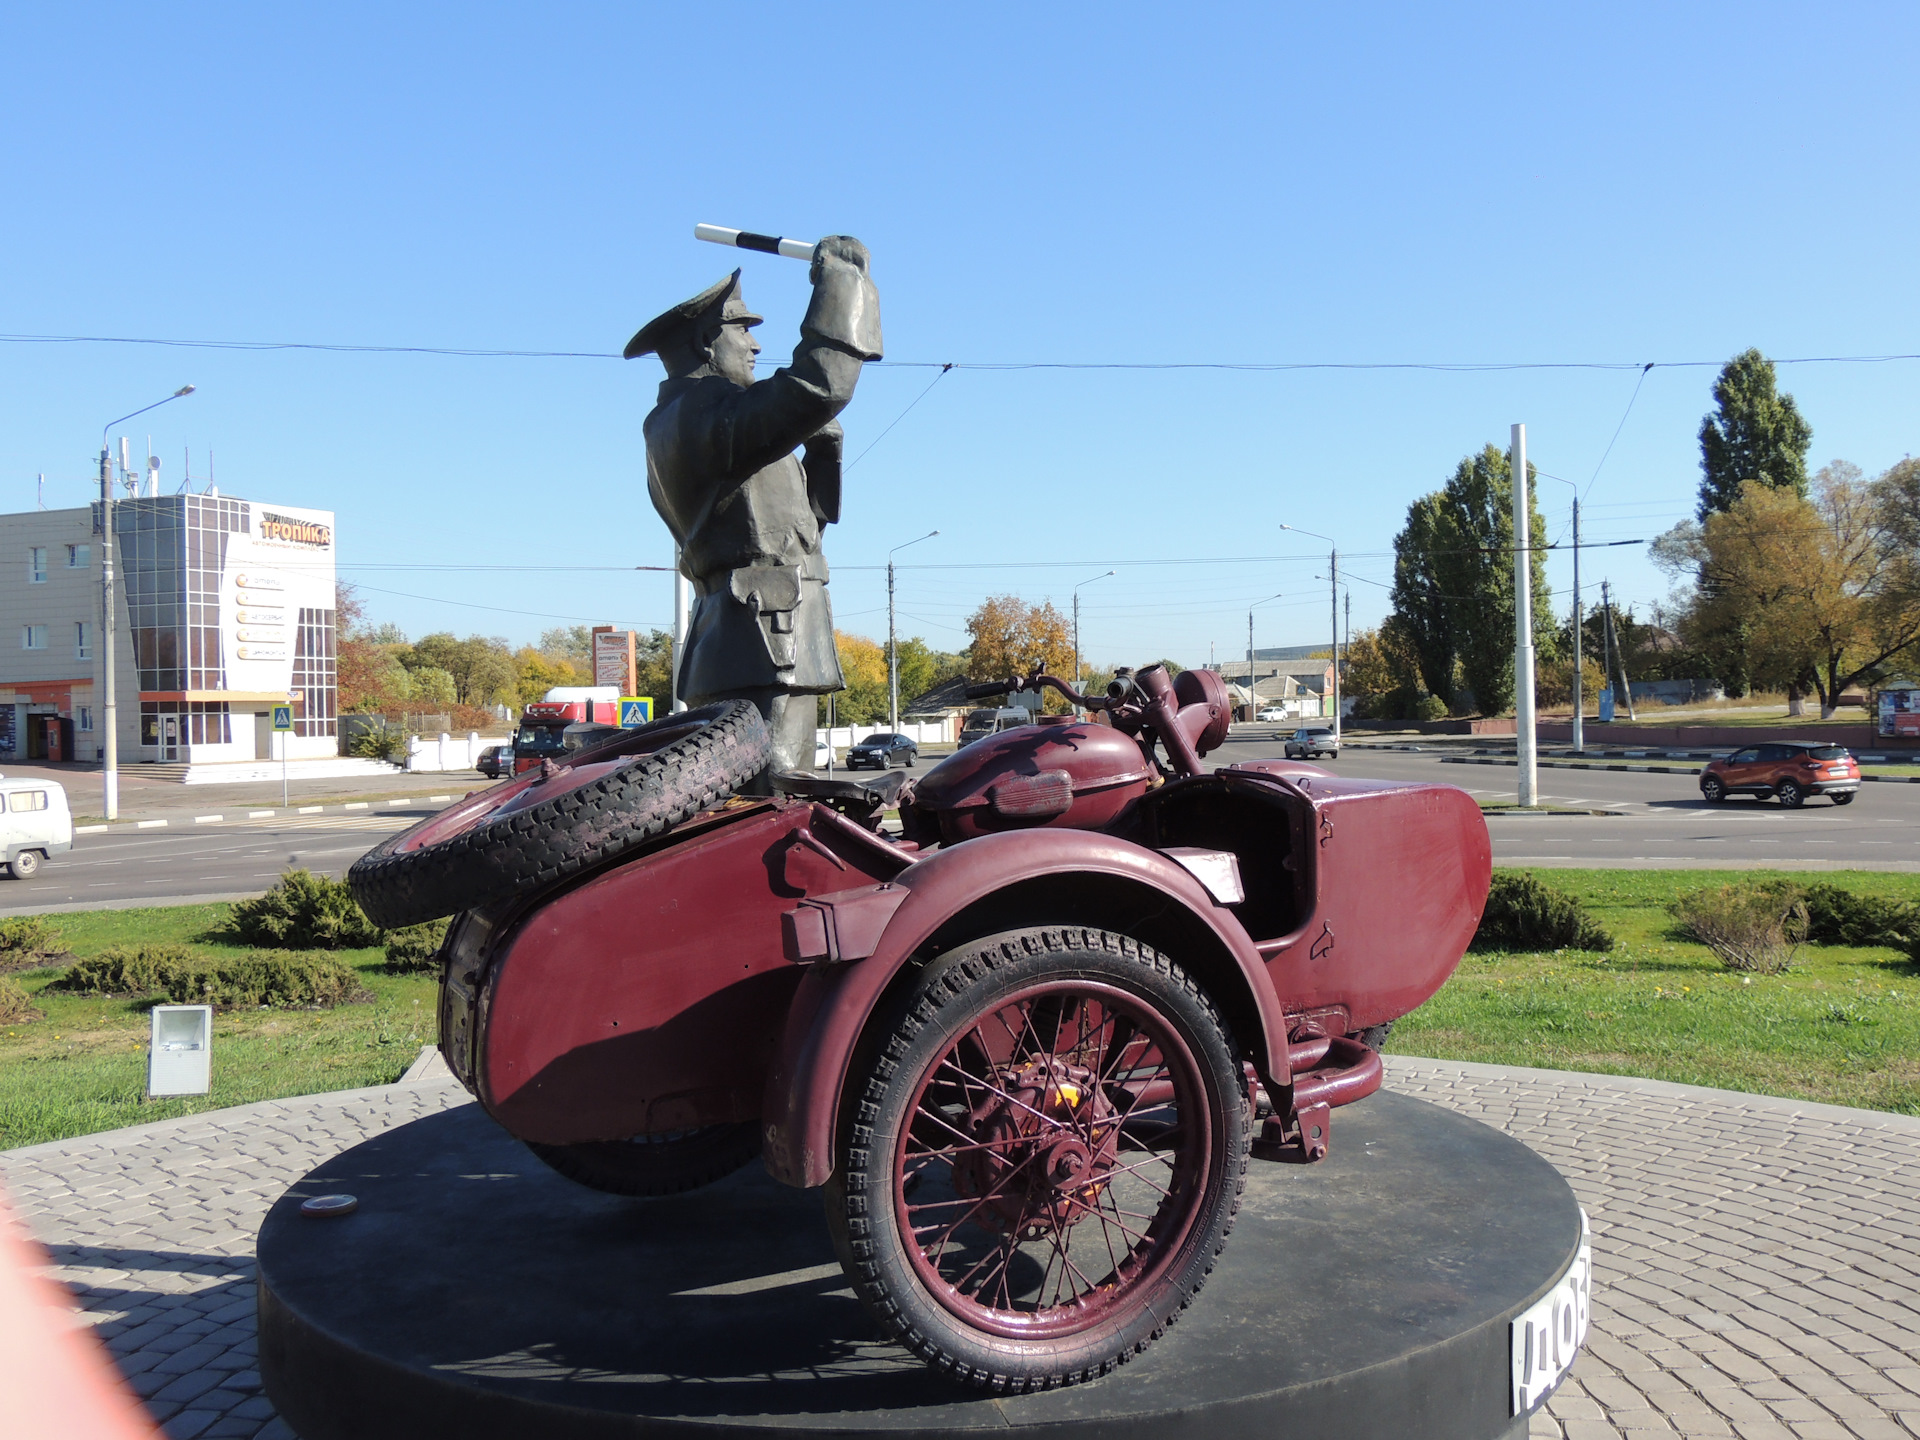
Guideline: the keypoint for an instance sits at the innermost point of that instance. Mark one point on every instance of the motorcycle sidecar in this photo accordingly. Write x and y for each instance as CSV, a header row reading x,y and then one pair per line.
x,y
1021,1049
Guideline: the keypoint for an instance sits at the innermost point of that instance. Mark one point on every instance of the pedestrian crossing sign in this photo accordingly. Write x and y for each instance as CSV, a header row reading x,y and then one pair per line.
x,y
283,717
635,710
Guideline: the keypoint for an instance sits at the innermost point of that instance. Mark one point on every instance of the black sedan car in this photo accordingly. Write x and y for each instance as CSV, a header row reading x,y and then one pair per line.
x,y
882,751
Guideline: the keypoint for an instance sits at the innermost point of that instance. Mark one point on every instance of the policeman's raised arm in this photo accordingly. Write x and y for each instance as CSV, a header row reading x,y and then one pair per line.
x,y
840,333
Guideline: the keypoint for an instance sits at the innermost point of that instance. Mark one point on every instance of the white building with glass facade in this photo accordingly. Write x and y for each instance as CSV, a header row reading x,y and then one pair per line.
x,y
224,609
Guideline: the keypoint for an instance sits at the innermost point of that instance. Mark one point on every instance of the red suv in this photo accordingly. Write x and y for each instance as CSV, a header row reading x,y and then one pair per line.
x,y
1790,770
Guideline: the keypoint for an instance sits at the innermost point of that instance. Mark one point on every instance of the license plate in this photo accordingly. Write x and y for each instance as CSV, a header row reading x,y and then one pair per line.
x,y
1549,1333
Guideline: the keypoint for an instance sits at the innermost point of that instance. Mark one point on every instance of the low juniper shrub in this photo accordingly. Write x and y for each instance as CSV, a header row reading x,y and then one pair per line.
x,y
1840,917
177,973
25,933
415,949
1525,914
304,911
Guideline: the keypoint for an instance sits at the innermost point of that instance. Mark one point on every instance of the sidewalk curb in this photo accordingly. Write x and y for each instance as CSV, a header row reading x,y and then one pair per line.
x,y
1635,769
122,826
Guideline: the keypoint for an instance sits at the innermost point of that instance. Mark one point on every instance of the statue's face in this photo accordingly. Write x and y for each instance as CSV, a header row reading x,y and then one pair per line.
x,y
733,351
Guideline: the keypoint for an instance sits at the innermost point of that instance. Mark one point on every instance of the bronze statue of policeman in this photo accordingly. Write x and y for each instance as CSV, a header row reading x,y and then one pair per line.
x,y
746,510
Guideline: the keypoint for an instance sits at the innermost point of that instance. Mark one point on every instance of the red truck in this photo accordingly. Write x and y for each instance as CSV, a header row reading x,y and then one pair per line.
x,y
544,725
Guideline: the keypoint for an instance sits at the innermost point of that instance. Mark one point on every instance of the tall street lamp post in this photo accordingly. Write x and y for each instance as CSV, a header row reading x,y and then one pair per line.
x,y
1579,700
1076,624
1253,700
109,711
1333,584
893,649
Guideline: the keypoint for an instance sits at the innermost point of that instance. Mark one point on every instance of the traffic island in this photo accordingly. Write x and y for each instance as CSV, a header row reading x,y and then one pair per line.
x,y
474,1293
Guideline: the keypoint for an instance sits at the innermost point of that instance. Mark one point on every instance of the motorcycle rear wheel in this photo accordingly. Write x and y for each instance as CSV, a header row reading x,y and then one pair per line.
x,y
656,1164
1036,1085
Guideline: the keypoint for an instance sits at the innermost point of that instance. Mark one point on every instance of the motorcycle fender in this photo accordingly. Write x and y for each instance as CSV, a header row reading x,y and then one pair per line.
x,y
835,1001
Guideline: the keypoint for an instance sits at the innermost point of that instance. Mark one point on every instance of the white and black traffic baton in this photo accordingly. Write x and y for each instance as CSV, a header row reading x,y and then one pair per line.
x,y
747,240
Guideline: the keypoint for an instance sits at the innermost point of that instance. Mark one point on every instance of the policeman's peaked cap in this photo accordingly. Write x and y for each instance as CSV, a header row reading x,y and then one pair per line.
x,y
719,301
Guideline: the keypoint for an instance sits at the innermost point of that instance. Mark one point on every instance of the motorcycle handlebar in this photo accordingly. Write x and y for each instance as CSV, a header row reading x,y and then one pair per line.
x,y
1035,681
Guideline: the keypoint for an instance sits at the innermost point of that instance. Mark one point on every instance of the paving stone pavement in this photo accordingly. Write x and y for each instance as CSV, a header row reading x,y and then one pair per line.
x,y
1757,1261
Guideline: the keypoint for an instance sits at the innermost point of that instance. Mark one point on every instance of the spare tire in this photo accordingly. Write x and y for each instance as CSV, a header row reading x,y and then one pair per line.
x,y
570,814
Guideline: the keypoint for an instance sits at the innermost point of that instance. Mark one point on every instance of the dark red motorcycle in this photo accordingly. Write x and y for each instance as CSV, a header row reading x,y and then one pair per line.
x,y
1023,1042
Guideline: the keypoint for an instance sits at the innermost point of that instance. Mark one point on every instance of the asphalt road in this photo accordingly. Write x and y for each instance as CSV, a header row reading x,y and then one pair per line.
x,y
1653,821
211,862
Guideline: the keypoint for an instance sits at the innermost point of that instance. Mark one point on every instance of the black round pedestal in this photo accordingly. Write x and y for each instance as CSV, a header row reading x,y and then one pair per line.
x,y
476,1294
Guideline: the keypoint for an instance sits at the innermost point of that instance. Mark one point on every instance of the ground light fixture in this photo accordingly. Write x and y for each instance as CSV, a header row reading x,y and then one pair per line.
x,y
180,1050
109,713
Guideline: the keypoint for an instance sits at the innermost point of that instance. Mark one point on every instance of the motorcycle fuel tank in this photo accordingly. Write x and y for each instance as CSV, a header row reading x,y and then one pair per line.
x,y
1061,773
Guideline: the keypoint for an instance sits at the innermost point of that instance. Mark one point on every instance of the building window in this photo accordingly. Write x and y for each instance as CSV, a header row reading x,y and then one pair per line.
x,y
82,640
85,718
33,637
315,673
37,565
79,556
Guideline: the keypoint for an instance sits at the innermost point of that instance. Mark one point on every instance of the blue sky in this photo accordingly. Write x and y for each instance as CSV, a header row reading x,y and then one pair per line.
x,y
1070,183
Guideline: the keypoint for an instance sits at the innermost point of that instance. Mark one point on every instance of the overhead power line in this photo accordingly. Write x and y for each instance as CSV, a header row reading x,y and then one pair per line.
x,y
477,352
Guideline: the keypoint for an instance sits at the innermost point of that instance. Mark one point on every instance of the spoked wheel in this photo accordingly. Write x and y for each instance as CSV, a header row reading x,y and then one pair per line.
x,y
1712,790
662,1164
1842,797
1044,1165
1791,795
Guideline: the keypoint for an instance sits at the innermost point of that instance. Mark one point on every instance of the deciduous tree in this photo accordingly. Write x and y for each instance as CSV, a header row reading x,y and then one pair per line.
x,y
1453,582
1825,589
1753,433
864,664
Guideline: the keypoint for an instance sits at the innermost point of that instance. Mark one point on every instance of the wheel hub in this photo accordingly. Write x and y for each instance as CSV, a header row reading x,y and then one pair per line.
x,y
1048,1145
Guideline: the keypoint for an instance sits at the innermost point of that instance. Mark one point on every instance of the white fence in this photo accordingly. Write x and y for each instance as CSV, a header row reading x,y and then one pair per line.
x,y
447,753
927,732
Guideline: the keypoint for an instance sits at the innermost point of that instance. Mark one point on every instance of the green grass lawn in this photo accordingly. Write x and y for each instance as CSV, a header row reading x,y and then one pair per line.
x,y
83,1066
1843,1026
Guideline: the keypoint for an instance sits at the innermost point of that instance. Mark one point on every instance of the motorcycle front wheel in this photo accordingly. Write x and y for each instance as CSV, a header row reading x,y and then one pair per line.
x,y
1045,1158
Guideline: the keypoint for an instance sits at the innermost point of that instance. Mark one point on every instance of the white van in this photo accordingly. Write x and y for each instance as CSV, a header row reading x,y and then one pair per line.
x,y
34,823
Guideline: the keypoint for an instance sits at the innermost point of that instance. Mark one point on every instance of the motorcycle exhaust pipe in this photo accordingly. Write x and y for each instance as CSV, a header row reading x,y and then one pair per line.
x,y
747,240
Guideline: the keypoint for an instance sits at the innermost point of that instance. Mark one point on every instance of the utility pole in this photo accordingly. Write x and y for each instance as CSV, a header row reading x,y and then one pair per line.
x,y
1615,660
109,714
1579,700
893,648
682,611
1076,625
1253,700
1333,597
1524,746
